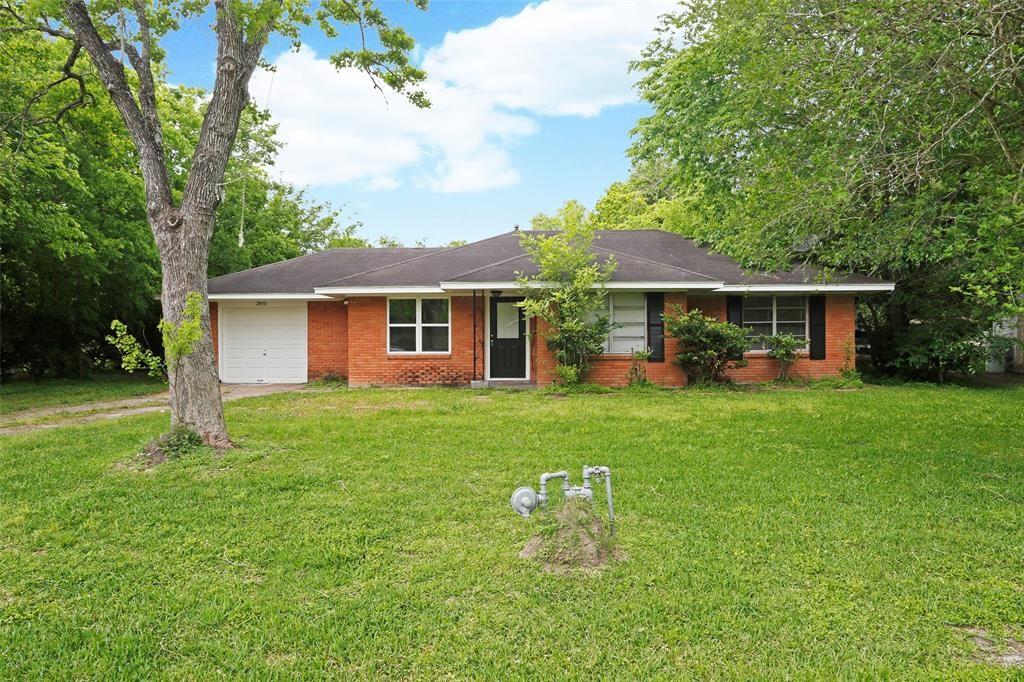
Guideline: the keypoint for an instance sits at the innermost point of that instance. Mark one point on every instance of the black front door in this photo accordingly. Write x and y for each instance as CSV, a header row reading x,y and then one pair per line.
x,y
508,339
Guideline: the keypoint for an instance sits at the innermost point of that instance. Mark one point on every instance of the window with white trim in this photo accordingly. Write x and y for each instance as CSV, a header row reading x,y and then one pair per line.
x,y
772,315
419,325
628,312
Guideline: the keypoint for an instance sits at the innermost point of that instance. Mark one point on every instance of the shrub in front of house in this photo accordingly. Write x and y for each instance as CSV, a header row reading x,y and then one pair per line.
x,y
707,347
568,291
783,348
637,374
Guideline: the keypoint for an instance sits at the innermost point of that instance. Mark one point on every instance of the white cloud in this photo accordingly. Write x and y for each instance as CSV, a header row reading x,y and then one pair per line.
x,y
558,57
486,85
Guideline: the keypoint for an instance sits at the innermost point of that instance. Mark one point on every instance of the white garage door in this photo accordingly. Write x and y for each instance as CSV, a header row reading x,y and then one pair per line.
x,y
263,342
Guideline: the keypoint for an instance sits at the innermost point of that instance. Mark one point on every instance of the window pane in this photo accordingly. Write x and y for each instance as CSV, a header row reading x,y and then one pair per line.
x,y
790,315
435,310
755,330
435,339
794,328
402,311
508,320
625,315
628,299
757,302
757,315
403,339
791,302
627,345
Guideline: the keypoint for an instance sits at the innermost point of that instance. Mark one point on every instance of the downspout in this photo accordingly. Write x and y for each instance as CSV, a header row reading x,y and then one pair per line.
x,y
474,334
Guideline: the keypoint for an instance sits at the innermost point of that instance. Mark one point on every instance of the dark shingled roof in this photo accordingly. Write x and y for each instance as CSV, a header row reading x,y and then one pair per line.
x,y
300,275
642,256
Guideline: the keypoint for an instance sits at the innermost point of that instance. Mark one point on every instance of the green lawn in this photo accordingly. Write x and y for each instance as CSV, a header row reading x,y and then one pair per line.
x,y
27,394
367,534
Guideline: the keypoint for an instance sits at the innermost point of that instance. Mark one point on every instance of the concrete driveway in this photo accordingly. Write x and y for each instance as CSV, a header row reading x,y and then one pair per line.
x,y
39,418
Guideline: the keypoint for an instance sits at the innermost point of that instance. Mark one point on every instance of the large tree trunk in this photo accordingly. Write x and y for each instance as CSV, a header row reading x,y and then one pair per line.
x,y
182,234
194,386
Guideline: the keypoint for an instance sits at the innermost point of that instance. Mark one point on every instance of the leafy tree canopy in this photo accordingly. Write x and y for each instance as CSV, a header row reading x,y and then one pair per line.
x,y
883,137
75,247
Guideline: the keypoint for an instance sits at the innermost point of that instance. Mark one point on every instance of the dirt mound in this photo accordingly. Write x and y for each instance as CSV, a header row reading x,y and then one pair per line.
x,y
1005,652
572,537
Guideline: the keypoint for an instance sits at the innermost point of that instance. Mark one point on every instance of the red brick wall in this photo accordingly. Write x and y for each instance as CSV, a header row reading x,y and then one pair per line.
x,y
613,370
369,363
213,333
840,321
327,338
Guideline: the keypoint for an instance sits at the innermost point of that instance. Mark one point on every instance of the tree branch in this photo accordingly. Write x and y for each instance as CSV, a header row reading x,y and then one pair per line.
x,y
151,153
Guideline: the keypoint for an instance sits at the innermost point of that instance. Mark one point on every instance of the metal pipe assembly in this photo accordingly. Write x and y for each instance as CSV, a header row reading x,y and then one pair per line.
x,y
525,499
544,478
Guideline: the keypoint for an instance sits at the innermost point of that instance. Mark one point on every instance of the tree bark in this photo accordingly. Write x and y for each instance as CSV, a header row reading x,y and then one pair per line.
x,y
182,233
194,386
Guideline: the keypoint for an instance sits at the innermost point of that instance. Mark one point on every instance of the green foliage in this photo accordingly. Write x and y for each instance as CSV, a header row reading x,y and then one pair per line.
x,y
783,348
180,337
75,248
927,352
133,355
849,379
637,373
568,375
73,227
568,290
706,346
863,136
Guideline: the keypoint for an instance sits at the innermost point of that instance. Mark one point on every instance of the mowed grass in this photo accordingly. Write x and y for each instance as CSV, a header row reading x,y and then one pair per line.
x,y
27,394
367,533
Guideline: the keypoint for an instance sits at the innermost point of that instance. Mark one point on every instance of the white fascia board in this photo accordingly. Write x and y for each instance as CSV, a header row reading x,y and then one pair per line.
x,y
268,297
641,286
470,286
802,288
377,291
664,286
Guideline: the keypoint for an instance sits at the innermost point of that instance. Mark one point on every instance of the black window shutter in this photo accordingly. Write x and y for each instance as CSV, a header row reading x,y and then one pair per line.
x,y
656,326
734,310
816,318
734,315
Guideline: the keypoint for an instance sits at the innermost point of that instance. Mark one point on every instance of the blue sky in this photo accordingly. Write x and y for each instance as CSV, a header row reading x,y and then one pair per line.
x,y
532,105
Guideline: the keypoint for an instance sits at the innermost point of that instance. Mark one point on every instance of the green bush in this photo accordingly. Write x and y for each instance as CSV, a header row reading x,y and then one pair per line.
x,y
784,349
568,375
637,374
706,346
568,290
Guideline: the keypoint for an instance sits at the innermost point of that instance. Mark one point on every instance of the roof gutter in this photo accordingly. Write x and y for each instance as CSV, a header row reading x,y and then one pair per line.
x,y
801,288
268,296
641,286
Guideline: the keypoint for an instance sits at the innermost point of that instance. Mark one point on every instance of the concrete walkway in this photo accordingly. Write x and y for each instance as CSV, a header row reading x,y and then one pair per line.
x,y
66,415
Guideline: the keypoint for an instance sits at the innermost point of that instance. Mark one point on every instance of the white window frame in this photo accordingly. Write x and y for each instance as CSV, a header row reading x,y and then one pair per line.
x,y
775,320
419,324
609,297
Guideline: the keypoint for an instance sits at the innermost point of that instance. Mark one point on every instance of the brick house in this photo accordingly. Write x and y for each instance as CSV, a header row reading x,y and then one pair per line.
x,y
449,315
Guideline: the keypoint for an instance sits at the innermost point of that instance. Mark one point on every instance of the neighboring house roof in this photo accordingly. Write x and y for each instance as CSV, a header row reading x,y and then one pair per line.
x,y
646,258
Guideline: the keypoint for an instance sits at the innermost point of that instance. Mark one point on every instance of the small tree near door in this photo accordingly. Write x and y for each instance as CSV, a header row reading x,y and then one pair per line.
x,y
568,290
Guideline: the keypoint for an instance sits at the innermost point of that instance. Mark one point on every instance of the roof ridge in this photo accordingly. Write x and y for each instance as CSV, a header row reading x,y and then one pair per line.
x,y
409,260
656,262
489,265
322,253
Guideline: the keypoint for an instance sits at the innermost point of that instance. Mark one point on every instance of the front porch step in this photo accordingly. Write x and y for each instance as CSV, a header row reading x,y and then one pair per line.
x,y
492,383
